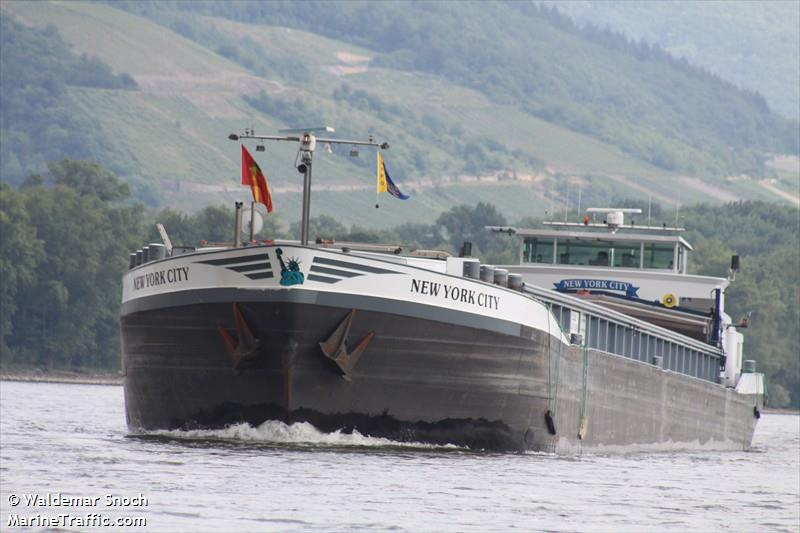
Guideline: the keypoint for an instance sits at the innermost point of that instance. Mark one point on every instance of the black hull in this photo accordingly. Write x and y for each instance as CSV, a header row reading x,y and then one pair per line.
x,y
418,380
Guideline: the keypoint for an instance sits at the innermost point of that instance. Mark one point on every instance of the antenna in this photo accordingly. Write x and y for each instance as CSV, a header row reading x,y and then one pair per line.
x,y
164,237
300,131
305,154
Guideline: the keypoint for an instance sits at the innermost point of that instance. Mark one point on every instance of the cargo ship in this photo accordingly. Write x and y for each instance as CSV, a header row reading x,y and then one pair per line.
x,y
554,354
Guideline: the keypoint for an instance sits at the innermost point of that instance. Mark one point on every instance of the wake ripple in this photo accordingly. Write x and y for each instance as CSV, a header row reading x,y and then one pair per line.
x,y
300,434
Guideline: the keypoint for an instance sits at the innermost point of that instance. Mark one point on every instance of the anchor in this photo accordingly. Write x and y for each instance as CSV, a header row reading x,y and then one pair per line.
x,y
242,350
335,347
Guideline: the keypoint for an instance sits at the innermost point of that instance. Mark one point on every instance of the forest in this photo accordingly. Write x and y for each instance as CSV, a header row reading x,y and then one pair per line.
x,y
67,233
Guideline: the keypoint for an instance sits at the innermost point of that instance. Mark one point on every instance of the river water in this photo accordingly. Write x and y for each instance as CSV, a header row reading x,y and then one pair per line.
x,y
70,442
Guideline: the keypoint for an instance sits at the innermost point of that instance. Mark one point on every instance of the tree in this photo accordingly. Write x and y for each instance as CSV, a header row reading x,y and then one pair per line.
x,y
20,253
89,179
464,223
323,226
66,314
210,224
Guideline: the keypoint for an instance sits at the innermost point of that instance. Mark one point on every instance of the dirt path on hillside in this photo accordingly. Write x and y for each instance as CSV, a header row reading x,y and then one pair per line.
x,y
211,94
351,64
426,183
230,82
709,190
643,189
785,163
778,192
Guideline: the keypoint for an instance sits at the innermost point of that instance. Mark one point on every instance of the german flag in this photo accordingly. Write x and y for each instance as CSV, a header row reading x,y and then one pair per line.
x,y
252,176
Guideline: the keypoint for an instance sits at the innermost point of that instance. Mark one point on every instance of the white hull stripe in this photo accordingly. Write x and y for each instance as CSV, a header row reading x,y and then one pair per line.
x,y
363,303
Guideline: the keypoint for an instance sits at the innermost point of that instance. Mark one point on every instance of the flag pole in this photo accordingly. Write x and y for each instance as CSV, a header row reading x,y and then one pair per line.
x,y
306,168
252,221
378,170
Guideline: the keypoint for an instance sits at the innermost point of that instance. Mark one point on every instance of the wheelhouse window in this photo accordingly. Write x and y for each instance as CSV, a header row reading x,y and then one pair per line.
x,y
604,252
627,255
658,255
596,253
537,250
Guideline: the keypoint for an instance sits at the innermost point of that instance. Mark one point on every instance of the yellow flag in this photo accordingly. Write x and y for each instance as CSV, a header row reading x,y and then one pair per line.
x,y
381,174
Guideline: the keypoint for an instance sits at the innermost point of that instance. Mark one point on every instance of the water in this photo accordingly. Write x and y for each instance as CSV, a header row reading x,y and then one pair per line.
x,y
72,439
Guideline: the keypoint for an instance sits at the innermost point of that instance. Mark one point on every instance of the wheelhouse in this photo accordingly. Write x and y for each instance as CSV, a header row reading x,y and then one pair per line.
x,y
651,252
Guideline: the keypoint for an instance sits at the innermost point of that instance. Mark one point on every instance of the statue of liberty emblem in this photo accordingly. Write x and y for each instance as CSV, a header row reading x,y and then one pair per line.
x,y
290,271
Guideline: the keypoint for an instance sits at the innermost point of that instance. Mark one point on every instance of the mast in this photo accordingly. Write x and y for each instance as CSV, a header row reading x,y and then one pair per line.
x,y
308,144
305,154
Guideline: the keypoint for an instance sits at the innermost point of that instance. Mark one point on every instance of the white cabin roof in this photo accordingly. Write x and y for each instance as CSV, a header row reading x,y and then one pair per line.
x,y
596,236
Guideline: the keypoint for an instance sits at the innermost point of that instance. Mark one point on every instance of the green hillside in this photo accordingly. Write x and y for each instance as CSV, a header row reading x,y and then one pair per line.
x,y
132,45
454,140
637,97
753,44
